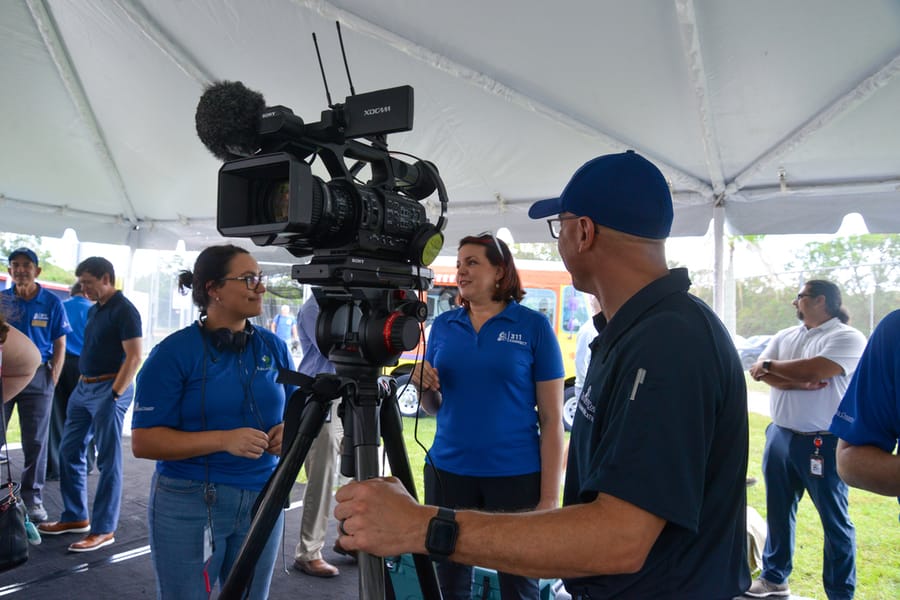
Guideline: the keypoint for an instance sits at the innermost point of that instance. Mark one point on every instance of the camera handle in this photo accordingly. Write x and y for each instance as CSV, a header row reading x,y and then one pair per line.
x,y
312,401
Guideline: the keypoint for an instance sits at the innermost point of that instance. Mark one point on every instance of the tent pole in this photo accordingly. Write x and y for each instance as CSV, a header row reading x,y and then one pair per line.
x,y
719,258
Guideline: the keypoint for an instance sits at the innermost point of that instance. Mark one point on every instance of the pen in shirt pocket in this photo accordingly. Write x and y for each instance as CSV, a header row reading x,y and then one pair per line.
x,y
638,380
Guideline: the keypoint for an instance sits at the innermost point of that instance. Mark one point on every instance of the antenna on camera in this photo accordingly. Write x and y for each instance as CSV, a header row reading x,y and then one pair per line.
x,y
344,55
322,69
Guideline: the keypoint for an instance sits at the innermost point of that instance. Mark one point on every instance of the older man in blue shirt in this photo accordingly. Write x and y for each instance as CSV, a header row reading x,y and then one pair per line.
x,y
39,315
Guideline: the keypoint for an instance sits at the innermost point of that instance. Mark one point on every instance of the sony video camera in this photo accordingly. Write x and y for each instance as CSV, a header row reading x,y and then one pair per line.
x,y
355,231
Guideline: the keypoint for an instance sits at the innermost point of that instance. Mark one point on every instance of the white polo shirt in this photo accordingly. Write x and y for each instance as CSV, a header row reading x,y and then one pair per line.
x,y
812,410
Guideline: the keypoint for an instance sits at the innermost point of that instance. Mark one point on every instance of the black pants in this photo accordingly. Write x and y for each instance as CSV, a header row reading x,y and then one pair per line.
x,y
68,379
493,494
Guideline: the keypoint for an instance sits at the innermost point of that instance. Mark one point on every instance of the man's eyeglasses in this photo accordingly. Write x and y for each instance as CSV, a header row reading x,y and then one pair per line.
x,y
556,225
802,295
251,281
491,235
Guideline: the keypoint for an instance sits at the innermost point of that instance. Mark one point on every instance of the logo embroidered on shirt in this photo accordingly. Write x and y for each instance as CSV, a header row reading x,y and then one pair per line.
x,y
511,337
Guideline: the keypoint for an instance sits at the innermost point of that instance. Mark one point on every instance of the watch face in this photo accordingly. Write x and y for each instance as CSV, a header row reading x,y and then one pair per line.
x,y
441,537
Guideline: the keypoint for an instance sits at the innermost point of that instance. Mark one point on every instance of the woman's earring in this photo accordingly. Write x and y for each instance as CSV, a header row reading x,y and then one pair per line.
x,y
497,284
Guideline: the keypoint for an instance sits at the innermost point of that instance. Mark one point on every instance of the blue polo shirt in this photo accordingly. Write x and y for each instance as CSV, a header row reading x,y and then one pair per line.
x,y
107,327
487,425
662,424
77,308
42,318
869,414
189,385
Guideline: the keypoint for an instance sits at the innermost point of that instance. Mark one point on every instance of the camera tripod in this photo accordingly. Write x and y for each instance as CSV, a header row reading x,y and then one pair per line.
x,y
360,331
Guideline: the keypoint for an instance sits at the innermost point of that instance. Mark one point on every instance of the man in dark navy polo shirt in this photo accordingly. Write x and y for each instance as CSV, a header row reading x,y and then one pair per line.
x,y
109,359
655,493
39,315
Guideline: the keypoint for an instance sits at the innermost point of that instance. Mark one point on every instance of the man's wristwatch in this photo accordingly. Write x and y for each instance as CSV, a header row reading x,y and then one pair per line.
x,y
440,541
767,364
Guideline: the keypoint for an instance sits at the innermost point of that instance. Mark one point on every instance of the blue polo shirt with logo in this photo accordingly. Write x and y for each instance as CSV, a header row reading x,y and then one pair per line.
x,y
42,318
487,425
188,384
869,414
662,424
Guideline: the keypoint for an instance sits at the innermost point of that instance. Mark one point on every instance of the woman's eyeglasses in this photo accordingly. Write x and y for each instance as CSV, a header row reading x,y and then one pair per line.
x,y
251,281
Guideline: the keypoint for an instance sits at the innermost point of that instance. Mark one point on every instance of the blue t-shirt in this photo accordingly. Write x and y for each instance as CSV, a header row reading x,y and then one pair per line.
x,y
869,414
189,385
77,308
283,326
108,325
487,425
662,424
42,318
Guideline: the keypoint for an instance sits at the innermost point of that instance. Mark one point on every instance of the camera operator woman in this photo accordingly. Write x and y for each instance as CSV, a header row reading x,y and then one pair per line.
x,y
487,366
209,411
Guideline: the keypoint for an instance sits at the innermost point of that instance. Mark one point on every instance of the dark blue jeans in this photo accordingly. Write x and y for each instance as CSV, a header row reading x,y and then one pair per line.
x,y
786,468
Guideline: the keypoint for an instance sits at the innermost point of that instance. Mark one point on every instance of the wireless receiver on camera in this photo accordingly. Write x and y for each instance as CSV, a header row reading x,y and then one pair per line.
x,y
267,191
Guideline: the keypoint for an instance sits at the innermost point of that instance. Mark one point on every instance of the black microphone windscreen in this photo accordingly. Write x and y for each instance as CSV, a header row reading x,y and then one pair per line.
x,y
227,119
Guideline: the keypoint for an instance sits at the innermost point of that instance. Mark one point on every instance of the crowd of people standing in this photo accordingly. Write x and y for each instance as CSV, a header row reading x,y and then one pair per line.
x,y
654,499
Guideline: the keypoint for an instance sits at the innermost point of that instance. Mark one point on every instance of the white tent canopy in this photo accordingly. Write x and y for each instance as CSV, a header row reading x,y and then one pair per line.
x,y
775,116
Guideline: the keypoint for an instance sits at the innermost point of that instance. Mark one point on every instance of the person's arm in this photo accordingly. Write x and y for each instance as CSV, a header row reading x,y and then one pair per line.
x,y
58,358
129,366
294,335
549,405
166,443
425,379
796,374
21,358
869,468
606,536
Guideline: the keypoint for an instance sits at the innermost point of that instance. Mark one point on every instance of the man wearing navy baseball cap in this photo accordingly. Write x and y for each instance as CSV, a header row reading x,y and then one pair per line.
x,y
655,493
39,315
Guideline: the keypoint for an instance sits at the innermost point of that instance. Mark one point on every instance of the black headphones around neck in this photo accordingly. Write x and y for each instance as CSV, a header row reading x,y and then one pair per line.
x,y
225,339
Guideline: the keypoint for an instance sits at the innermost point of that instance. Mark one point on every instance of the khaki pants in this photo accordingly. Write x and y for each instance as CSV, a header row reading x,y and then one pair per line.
x,y
320,465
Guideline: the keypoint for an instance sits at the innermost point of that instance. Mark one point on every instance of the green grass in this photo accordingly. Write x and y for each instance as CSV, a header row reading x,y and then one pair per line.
x,y
877,534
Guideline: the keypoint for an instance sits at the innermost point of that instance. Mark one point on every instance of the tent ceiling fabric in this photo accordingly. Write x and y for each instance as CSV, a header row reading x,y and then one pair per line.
x,y
786,114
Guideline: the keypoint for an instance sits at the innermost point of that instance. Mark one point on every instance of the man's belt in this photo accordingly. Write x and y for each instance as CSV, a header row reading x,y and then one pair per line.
x,y
98,378
795,432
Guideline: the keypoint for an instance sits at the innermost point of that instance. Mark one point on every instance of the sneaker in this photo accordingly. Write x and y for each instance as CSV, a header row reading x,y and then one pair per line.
x,y
36,513
763,588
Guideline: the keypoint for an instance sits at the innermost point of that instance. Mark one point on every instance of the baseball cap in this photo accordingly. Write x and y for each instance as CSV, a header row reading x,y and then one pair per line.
x,y
625,192
26,252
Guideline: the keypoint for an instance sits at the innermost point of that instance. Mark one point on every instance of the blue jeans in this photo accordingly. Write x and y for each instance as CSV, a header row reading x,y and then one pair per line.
x,y
179,516
786,466
91,405
34,420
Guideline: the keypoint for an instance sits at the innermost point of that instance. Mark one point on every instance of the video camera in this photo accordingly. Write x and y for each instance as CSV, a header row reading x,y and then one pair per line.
x,y
374,234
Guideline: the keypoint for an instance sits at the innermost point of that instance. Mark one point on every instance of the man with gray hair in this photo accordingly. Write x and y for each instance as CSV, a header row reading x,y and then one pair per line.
x,y
808,368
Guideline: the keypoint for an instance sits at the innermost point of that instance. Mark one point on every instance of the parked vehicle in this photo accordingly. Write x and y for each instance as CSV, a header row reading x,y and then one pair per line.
x,y
750,348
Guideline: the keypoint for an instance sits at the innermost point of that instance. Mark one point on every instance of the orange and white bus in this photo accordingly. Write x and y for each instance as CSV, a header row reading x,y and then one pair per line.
x,y
548,290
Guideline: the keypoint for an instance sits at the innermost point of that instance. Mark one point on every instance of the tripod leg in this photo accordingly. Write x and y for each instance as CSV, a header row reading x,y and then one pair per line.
x,y
392,432
277,490
366,435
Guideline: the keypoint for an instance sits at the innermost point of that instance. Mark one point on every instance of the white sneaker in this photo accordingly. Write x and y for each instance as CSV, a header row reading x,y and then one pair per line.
x,y
36,513
763,588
